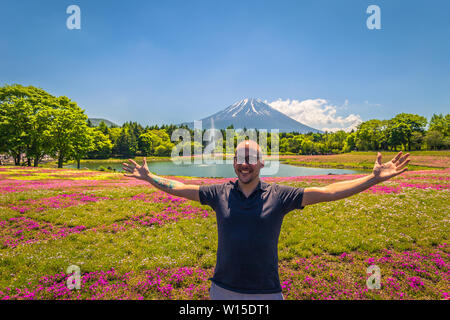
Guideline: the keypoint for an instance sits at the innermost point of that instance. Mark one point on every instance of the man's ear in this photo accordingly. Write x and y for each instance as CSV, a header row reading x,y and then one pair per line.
x,y
262,163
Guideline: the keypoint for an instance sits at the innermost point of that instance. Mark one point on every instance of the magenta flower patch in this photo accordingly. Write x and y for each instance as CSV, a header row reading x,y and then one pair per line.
x,y
23,230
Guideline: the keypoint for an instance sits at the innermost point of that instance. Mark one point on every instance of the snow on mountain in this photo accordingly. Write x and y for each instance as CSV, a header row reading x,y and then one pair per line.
x,y
253,114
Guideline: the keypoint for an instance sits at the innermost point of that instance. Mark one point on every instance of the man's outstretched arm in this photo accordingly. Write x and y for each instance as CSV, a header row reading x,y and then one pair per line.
x,y
173,187
339,190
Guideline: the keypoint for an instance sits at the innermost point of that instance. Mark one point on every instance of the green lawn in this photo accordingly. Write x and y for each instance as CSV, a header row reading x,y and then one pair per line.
x,y
115,235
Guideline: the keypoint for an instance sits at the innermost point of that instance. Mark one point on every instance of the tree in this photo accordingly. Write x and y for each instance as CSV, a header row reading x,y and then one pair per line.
x,y
434,139
152,139
417,140
39,144
83,142
102,127
126,144
370,135
307,146
295,144
14,124
413,122
350,143
102,146
164,149
335,141
284,145
23,122
441,124
398,134
123,143
148,142
68,125
114,134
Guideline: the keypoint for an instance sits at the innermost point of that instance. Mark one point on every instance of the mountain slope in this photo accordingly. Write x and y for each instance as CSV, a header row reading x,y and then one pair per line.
x,y
253,113
96,121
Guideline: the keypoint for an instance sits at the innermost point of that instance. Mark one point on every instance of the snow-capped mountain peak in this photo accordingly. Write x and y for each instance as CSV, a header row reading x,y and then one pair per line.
x,y
253,113
247,107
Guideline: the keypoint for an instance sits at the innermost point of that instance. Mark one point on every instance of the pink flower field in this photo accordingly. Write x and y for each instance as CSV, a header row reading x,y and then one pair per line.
x,y
134,242
412,274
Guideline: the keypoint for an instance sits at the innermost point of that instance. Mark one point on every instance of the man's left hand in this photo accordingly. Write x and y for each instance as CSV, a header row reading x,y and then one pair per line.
x,y
388,170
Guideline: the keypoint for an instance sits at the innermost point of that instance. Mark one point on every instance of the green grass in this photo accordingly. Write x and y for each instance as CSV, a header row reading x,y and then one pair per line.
x,y
365,166
417,217
420,160
366,222
185,243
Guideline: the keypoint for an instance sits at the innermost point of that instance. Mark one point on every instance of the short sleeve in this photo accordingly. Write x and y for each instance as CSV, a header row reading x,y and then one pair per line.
x,y
208,194
290,198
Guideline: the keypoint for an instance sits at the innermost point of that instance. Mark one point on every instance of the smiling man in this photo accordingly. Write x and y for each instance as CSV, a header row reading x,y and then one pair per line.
x,y
249,214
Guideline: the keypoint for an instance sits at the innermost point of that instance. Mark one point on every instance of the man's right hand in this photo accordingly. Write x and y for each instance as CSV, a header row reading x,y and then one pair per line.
x,y
174,187
137,171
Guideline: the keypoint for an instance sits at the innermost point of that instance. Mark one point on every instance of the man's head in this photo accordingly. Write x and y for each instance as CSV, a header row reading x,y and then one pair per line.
x,y
248,161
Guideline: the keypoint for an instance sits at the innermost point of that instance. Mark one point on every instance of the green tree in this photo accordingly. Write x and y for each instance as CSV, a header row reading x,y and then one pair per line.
x,y
284,144
102,146
123,144
434,140
398,134
152,139
413,122
39,144
295,144
164,149
14,125
114,134
441,124
335,142
307,146
149,141
68,124
102,127
83,142
417,139
23,120
350,143
370,135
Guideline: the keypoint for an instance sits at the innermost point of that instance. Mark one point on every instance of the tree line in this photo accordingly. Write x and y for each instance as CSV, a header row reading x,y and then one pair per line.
x,y
403,132
35,123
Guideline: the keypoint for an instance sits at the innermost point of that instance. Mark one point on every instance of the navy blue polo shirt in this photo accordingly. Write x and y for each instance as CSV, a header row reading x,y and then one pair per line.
x,y
248,230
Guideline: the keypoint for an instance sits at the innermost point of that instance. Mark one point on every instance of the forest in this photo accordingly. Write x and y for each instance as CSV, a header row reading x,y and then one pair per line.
x,y
35,124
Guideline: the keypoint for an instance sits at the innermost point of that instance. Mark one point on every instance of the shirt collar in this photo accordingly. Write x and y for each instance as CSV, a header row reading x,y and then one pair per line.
x,y
260,186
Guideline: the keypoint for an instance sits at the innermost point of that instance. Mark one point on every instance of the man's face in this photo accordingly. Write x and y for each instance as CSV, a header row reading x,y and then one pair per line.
x,y
247,164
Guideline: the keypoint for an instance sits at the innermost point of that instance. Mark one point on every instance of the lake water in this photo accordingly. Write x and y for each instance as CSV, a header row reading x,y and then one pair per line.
x,y
216,170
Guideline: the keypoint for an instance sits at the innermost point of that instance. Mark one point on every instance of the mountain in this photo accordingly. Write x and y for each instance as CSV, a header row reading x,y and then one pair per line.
x,y
253,114
96,121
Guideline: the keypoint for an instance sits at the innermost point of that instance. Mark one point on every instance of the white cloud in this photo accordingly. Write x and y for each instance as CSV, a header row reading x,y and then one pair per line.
x,y
317,113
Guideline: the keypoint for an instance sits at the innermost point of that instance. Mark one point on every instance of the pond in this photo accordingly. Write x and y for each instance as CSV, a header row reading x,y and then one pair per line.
x,y
217,170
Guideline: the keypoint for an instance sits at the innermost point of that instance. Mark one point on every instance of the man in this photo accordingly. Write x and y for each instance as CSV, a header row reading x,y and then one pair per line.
x,y
249,215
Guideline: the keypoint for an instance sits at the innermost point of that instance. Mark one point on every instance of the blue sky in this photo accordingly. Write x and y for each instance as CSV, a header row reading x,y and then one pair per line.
x,y
160,62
